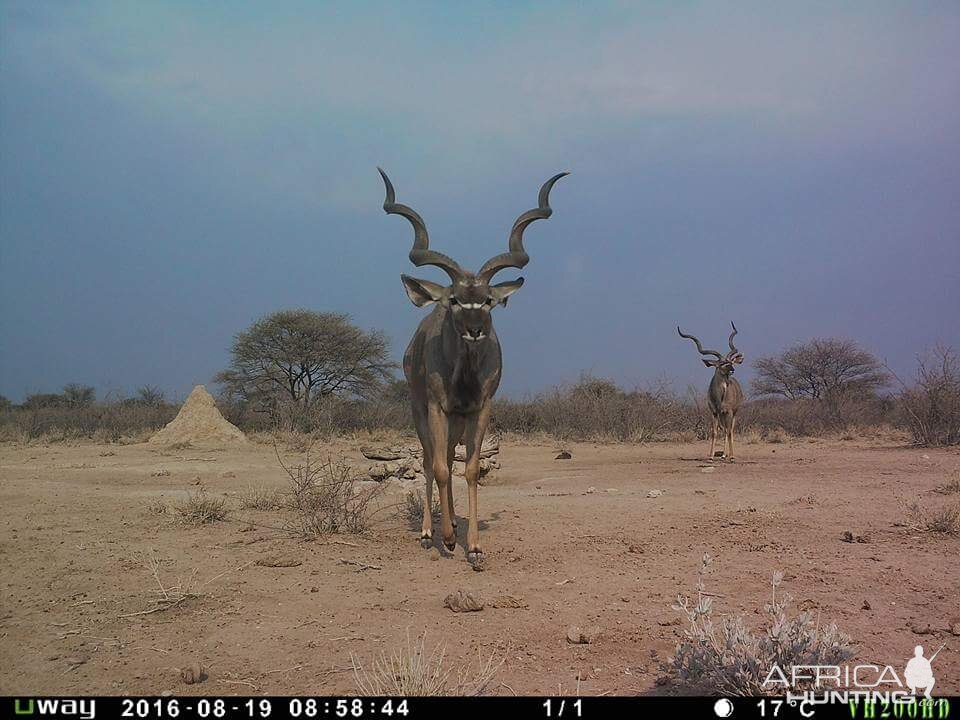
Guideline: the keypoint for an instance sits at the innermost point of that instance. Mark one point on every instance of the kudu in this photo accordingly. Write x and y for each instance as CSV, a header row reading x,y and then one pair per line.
x,y
453,362
725,395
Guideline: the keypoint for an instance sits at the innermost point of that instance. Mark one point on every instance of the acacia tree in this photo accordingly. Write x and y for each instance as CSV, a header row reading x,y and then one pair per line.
x,y
833,374
821,369
297,358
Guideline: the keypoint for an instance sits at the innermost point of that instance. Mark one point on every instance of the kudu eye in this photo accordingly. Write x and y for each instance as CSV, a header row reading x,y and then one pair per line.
x,y
453,300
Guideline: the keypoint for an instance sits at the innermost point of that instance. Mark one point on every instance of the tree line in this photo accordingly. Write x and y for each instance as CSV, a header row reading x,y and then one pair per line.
x,y
302,368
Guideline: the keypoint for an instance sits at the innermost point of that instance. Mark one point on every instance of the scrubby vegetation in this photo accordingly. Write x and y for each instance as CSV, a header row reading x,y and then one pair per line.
x,y
726,656
592,408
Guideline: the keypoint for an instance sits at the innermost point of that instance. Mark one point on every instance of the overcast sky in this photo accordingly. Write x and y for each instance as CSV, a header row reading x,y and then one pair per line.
x,y
169,172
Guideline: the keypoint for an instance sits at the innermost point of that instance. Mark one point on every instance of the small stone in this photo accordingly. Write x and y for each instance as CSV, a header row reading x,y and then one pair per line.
x,y
434,554
707,469
654,493
591,490
574,635
847,536
866,605
955,627
564,455
194,673
463,601
314,589
279,561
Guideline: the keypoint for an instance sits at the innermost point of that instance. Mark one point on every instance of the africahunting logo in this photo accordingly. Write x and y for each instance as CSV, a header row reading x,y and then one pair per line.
x,y
868,684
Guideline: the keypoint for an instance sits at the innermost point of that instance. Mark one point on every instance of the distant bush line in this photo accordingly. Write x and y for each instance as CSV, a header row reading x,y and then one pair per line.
x,y
591,409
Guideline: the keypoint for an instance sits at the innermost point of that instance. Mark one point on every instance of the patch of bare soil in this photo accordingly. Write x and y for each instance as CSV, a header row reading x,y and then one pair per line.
x,y
104,591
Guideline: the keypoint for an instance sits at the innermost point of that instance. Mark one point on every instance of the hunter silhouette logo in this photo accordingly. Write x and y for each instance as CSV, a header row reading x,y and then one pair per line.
x,y
919,672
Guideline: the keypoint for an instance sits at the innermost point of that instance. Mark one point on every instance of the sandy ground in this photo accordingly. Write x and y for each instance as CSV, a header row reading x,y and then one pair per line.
x,y
578,540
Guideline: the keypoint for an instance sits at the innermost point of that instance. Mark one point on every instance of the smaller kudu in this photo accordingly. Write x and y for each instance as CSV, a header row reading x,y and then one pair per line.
x,y
725,394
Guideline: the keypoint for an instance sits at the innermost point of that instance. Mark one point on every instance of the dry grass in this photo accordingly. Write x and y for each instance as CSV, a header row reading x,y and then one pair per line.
x,y
944,519
951,486
775,435
201,509
410,509
259,497
168,596
158,506
412,671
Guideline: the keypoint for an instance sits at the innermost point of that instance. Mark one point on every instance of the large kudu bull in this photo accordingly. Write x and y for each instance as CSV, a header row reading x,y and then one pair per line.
x,y
725,395
453,362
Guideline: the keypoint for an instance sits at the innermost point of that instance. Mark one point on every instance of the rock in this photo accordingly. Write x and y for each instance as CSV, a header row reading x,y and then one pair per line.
x,y
463,601
847,536
564,455
409,473
654,493
459,468
194,673
583,636
278,561
314,589
590,490
76,660
955,626
921,628
707,469
434,554
382,453
160,473
866,605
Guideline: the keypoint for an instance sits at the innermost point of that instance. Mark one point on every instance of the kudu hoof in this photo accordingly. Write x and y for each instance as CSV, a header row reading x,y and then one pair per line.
x,y
426,543
451,546
476,560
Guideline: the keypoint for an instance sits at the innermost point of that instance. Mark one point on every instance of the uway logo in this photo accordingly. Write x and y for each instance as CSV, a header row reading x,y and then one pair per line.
x,y
42,707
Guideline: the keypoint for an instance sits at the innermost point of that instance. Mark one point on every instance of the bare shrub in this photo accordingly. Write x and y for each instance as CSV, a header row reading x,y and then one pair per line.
x,y
201,509
932,405
258,497
944,519
727,657
324,498
597,409
951,486
776,435
158,506
410,510
411,671
170,595
101,421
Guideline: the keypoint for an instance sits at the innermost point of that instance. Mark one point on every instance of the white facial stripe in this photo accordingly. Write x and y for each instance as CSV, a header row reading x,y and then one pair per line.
x,y
470,338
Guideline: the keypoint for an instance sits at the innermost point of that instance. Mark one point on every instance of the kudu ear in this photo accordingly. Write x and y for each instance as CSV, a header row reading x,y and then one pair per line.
x,y
710,363
738,359
422,292
501,291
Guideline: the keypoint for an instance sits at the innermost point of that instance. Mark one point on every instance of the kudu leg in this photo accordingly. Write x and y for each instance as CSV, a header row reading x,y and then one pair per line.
x,y
423,432
475,430
441,473
713,435
454,435
733,421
